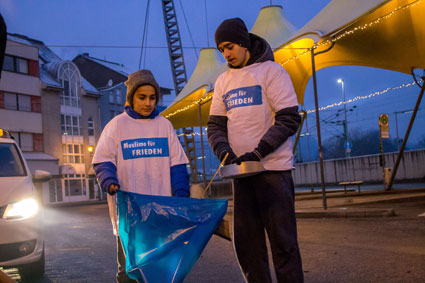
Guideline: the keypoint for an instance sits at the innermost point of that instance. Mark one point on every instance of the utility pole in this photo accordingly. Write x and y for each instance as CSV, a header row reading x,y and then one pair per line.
x,y
347,144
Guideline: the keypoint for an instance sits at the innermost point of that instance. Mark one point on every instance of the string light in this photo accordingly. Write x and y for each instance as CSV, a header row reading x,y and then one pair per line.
x,y
358,28
363,97
194,133
196,102
326,42
360,97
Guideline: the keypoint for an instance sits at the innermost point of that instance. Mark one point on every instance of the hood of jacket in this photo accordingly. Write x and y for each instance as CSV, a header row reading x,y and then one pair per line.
x,y
260,51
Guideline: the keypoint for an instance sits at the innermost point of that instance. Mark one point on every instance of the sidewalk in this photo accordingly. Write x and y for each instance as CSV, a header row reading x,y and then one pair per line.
x,y
339,204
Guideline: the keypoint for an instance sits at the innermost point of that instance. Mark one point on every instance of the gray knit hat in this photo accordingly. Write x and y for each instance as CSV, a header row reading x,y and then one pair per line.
x,y
138,79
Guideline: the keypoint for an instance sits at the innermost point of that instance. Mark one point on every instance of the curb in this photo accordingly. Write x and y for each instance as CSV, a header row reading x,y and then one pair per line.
x,y
77,203
389,201
224,231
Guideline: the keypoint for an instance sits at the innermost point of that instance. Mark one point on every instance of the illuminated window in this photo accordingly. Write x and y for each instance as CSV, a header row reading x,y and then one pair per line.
x,y
71,125
73,153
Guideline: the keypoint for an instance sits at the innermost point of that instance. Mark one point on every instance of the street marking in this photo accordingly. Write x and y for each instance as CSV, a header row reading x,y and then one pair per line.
x,y
421,215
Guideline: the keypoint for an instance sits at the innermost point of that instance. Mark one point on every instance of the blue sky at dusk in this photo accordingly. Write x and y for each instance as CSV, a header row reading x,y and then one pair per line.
x,y
114,30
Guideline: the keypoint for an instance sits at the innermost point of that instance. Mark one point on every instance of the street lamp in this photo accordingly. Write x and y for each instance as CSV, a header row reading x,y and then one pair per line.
x,y
346,143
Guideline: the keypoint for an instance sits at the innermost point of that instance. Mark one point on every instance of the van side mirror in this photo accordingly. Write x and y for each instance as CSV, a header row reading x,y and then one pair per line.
x,y
41,176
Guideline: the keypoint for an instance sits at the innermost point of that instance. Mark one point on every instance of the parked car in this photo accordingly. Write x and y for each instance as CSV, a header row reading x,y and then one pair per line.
x,y
21,240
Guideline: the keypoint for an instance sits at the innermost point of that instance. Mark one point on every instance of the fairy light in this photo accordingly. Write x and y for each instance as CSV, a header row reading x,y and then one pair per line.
x,y
196,102
360,97
356,29
363,97
326,42
194,133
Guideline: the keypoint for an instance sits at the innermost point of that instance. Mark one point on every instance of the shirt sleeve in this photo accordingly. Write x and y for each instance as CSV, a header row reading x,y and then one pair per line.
x,y
279,88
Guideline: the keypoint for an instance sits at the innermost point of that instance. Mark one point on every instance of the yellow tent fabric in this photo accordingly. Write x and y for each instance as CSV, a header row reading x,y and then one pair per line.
x,y
183,112
372,33
390,36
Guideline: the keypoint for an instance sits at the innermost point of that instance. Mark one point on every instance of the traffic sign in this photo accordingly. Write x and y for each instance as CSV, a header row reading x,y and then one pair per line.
x,y
348,145
384,128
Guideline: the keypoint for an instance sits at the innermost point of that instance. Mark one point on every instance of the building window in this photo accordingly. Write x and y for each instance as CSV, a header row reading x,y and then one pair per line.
x,y
118,97
71,125
10,101
27,143
15,64
75,185
69,76
24,140
36,104
111,97
90,126
19,102
55,190
73,153
38,142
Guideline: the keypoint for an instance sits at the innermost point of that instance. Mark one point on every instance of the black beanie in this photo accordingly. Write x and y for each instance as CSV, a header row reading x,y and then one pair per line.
x,y
233,30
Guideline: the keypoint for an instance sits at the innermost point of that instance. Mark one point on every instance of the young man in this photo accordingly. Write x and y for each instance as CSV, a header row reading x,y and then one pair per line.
x,y
253,113
139,152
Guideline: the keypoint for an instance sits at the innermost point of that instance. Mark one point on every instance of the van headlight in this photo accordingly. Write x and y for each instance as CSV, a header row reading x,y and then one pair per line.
x,y
22,209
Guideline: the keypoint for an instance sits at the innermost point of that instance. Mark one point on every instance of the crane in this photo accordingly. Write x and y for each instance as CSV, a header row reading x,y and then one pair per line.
x,y
175,51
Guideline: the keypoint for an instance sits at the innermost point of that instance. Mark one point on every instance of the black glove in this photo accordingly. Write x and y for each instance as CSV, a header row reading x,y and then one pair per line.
x,y
249,156
222,149
232,156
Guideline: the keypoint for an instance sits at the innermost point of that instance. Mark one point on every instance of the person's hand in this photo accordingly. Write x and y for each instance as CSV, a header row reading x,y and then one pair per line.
x,y
113,188
229,158
249,156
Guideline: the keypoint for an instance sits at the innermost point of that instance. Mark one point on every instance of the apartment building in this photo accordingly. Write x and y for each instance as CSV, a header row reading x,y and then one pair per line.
x,y
53,112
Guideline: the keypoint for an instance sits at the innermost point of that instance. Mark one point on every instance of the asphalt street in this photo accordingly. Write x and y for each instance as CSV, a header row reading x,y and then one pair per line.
x,y
80,247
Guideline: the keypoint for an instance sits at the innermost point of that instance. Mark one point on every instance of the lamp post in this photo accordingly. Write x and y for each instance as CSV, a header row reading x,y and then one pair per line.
x,y
346,143
396,125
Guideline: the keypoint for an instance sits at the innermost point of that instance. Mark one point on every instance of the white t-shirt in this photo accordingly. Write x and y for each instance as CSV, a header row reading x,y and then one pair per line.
x,y
250,97
143,150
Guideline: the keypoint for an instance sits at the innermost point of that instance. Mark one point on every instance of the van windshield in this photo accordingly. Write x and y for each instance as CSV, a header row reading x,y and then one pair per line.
x,y
10,161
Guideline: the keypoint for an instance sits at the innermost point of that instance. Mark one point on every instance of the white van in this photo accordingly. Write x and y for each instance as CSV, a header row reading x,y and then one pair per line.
x,y
21,241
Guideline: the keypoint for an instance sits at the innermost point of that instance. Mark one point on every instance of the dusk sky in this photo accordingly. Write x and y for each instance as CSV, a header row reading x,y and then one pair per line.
x,y
100,24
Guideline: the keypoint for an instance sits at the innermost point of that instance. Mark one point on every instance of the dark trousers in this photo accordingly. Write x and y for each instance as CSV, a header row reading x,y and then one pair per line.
x,y
266,202
122,276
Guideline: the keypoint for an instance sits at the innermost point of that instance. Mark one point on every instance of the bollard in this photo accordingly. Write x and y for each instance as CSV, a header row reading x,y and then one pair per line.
x,y
387,175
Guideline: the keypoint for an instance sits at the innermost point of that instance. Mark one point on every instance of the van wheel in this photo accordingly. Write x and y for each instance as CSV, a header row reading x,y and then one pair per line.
x,y
33,270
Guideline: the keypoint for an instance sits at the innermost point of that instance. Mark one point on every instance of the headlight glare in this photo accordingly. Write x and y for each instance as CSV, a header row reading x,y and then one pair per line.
x,y
22,209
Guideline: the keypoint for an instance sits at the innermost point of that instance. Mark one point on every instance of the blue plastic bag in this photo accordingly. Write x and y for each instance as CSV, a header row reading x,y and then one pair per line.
x,y
162,236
